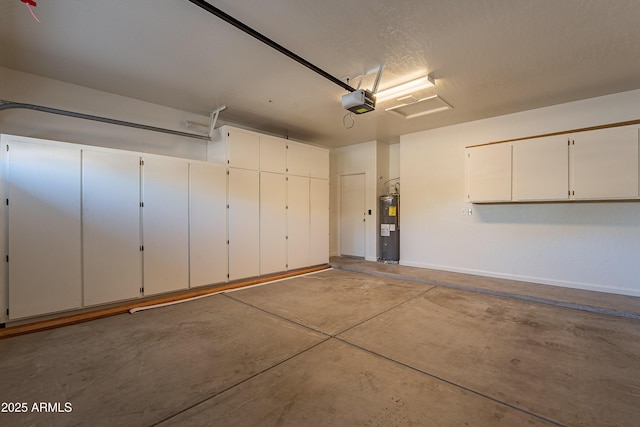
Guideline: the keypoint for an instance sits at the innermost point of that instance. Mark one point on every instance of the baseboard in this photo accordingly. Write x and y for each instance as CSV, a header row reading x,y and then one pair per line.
x,y
531,279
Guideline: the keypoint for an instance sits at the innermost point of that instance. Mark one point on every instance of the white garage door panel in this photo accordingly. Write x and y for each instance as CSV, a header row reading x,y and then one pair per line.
x,y
166,225
44,229
208,225
111,226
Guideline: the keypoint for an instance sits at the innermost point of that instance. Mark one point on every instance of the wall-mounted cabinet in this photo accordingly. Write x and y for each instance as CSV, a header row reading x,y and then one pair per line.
x,y
605,164
598,164
318,163
541,169
273,154
298,159
489,173
238,148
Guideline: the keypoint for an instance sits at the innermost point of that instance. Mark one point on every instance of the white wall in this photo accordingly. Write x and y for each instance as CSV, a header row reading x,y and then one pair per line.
x,y
592,246
359,158
31,89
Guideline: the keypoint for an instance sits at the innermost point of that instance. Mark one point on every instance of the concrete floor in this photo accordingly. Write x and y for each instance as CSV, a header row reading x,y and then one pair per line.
x,y
341,348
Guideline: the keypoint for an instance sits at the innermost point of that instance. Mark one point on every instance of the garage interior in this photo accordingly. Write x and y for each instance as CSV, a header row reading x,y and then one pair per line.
x,y
195,229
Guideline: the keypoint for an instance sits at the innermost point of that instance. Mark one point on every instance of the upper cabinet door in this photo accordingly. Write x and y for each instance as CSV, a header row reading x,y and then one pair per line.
x,y
243,149
318,163
605,163
297,159
45,272
489,173
541,169
273,154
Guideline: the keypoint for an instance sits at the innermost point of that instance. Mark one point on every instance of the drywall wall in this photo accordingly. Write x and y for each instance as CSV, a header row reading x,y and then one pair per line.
x,y
593,246
31,89
359,158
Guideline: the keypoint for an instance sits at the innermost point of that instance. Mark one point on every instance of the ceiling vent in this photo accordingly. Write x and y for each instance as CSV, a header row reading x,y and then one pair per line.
x,y
410,107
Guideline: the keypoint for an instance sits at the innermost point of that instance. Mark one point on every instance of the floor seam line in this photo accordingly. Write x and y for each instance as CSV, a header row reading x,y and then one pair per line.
x,y
528,298
200,402
383,312
277,315
436,377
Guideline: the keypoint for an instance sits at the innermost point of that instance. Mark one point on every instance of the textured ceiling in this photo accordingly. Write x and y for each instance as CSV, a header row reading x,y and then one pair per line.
x,y
489,57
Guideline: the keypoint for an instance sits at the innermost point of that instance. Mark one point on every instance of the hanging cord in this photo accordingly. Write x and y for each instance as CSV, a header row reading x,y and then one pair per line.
x,y
344,120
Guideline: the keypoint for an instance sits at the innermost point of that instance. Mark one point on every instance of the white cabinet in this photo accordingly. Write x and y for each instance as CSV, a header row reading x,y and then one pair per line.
x,y
112,261
273,222
297,159
489,173
244,223
45,272
318,221
605,164
584,165
238,148
207,224
165,224
318,163
541,169
273,154
297,222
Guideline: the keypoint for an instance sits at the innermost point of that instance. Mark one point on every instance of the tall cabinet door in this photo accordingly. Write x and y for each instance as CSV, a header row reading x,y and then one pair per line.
x,y
44,229
273,222
165,224
244,223
298,222
208,223
318,221
111,226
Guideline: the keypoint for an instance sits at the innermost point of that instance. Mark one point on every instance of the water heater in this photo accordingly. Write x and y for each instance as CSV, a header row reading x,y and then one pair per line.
x,y
390,228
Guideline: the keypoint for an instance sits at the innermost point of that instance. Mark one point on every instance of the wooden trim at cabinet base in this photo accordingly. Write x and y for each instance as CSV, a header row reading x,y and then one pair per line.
x,y
11,331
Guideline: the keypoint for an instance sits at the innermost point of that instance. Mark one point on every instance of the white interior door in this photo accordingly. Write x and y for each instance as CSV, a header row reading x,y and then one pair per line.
x,y
244,223
111,226
208,224
166,224
45,273
273,222
352,215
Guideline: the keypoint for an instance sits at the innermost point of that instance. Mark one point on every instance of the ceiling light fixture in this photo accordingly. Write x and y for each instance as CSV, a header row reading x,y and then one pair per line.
x,y
405,88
